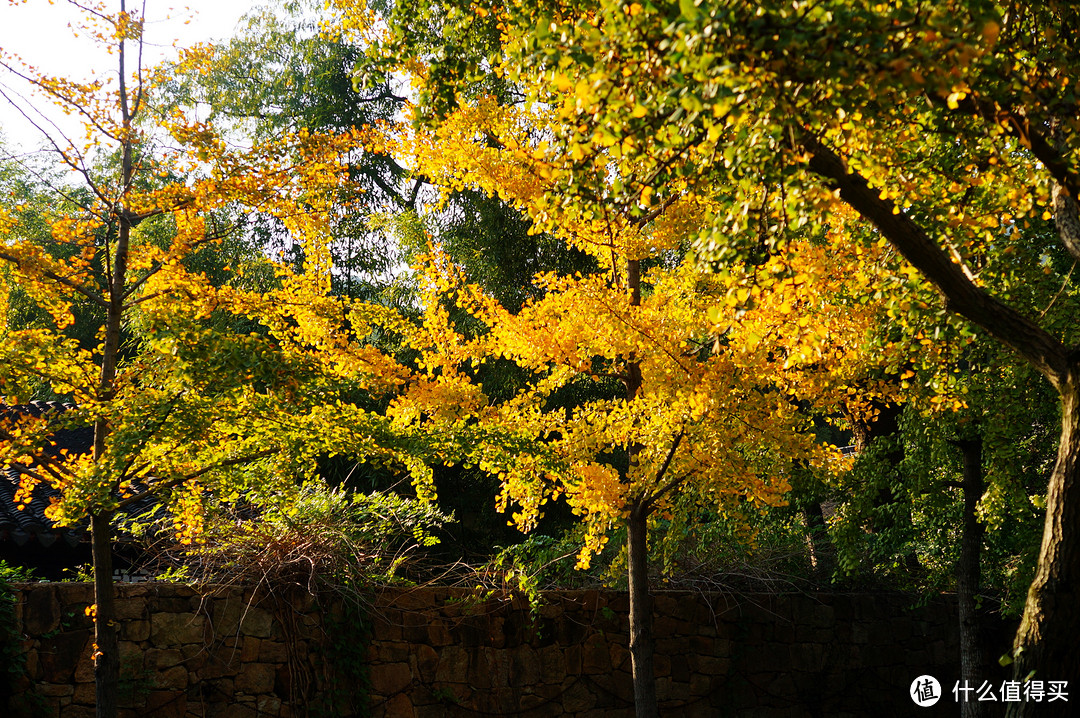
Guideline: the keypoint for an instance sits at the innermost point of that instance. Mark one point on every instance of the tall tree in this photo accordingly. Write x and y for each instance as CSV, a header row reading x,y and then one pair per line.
x,y
197,387
708,414
804,107
286,70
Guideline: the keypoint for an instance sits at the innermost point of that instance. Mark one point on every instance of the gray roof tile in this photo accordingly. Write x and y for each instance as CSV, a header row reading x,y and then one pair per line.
x,y
29,522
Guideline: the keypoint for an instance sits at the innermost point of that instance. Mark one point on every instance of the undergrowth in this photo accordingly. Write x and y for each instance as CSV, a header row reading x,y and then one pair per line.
x,y
325,543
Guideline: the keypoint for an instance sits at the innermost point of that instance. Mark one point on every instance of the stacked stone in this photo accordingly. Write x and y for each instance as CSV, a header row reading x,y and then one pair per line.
x,y
445,652
442,652
181,653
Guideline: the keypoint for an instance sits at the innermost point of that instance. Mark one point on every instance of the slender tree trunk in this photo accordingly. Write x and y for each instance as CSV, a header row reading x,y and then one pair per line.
x,y
641,633
637,547
107,650
106,646
822,550
106,653
1048,642
972,660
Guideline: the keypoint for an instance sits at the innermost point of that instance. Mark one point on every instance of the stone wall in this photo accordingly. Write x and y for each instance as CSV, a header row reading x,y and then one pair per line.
x,y
181,653
440,652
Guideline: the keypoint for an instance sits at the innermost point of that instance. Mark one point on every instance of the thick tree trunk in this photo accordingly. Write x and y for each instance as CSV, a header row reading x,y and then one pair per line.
x,y
641,634
106,646
1047,646
1047,640
968,578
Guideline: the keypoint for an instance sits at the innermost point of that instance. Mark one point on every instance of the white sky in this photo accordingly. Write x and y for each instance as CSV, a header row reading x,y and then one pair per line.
x,y
38,31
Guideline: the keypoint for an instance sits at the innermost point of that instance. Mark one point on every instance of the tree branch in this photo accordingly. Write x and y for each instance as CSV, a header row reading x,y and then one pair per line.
x,y
1048,355
1017,124
177,480
88,293
648,503
640,222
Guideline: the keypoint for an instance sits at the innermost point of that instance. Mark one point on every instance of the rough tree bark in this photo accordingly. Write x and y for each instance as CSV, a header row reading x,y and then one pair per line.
x,y
1046,641
106,644
968,577
641,636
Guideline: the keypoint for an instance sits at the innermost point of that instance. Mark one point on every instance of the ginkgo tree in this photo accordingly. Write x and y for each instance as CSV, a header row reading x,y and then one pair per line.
x,y
196,390
282,71
714,370
804,107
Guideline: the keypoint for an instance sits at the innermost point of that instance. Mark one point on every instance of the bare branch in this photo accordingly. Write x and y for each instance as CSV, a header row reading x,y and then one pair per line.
x,y
64,101
77,163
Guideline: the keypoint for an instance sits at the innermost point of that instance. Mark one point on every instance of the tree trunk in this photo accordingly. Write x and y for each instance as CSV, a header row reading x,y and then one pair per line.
x,y
641,634
885,426
822,550
972,660
1046,645
637,547
106,646
107,651
885,423
1047,640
